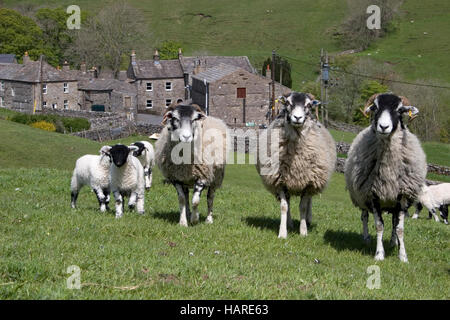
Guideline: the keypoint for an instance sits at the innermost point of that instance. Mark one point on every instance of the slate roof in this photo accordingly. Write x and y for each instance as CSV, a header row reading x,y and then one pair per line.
x,y
216,73
8,58
31,72
212,61
106,85
162,69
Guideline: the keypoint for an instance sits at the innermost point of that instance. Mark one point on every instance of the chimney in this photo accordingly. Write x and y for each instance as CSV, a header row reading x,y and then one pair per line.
x,y
26,58
83,67
133,57
156,56
66,66
268,72
180,54
93,73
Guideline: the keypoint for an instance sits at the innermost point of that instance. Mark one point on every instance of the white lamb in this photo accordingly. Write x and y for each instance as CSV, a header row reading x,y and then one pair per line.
x,y
434,197
146,156
127,178
93,171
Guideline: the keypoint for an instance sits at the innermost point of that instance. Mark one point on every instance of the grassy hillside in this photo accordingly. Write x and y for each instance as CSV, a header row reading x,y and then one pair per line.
x,y
150,256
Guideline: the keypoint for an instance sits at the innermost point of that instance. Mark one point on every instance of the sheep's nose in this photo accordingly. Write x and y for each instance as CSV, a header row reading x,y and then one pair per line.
x,y
186,137
298,119
383,128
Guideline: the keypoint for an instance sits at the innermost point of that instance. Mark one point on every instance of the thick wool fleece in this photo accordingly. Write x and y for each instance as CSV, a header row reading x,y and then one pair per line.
x,y
210,170
128,178
91,170
386,168
434,196
147,158
307,158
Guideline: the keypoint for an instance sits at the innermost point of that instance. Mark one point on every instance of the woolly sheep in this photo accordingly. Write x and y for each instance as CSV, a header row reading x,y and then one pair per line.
x,y
146,156
385,168
92,170
307,157
188,129
127,178
433,197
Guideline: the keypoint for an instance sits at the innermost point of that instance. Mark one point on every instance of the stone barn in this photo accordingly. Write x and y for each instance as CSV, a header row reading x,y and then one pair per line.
x,y
234,95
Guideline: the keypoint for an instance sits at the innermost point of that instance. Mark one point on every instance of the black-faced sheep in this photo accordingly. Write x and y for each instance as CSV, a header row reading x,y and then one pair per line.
x,y
306,155
146,156
202,142
434,197
385,168
93,171
127,178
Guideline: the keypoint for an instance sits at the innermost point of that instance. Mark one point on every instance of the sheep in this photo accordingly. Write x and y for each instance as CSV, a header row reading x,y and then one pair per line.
x,y
433,197
146,156
127,178
186,127
385,168
92,170
307,158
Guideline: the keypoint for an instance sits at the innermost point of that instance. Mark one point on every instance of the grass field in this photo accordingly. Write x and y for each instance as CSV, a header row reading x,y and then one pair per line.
x,y
152,257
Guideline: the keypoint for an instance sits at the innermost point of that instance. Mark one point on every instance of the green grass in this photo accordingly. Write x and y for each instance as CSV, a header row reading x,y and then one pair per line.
x,y
152,257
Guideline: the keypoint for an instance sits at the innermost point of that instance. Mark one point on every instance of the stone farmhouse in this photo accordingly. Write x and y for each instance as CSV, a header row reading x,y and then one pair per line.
x,y
226,87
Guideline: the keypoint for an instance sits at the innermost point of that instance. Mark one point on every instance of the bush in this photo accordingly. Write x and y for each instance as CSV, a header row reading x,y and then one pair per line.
x,y
44,125
76,124
61,124
22,118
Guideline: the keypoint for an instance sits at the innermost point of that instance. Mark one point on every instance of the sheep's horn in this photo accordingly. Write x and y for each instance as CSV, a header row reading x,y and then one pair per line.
x,y
369,103
405,101
311,96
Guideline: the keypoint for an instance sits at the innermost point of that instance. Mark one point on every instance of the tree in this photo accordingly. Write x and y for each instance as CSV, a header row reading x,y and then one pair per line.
x,y
369,88
168,50
282,69
108,38
20,34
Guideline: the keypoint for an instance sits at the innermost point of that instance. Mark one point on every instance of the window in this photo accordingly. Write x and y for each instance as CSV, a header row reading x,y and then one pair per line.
x,y
13,93
44,104
149,104
168,86
127,102
66,87
2,85
168,102
241,93
44,89
54,105
66,104
149,86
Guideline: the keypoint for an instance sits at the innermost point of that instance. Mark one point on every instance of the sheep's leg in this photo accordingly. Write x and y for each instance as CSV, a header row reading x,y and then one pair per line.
x,y
119,204
444,212
309,213
132,201
73,198
284,210
418,209
394,238
107,192
186,196
210,199
379,226
365,223
101,199
433,212
182,202
304,205
290,223
147,179
400,231
198,188
150,177
140,203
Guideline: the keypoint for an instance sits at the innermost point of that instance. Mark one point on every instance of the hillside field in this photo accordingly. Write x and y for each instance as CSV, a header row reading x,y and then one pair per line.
x,y
152,257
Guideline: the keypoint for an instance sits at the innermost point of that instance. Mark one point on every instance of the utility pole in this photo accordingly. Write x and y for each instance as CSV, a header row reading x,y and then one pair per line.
x,y
324,84
273,85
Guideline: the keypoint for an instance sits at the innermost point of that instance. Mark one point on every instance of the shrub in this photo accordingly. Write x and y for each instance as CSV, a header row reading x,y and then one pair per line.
x,y
44,125
22,118
76,124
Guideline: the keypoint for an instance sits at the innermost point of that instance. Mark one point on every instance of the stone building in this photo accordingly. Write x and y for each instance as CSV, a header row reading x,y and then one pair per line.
x,y
34,85
158,83
234,95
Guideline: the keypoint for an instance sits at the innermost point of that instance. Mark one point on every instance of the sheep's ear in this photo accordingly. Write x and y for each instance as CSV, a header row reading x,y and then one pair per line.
x,y
167,116
199,116
315,103
133,148
412,111
105,150
282,100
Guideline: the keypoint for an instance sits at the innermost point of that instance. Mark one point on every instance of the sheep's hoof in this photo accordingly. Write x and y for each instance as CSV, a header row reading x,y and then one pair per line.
x,y
183,223
290,224
366,239
282,236
131,206
393,242
209,219
195,218
403,257
446,221
141,212
118,216
415,216
147,188
379,256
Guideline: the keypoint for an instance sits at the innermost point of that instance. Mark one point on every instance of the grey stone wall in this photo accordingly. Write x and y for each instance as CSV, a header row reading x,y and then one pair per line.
x,y
158,95
107,134
55,94
22,100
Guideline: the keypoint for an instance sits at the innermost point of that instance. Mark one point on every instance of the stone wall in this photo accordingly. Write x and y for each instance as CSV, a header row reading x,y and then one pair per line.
x,y
107,134
158,95
22,100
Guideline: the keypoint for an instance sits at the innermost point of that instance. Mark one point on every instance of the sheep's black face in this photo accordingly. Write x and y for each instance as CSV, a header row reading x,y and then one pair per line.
x,y
119,154
141,147
388,110
297,107
182,122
